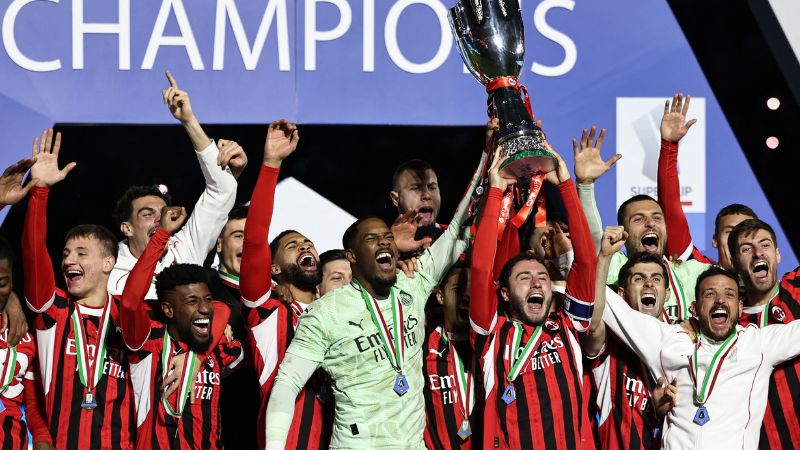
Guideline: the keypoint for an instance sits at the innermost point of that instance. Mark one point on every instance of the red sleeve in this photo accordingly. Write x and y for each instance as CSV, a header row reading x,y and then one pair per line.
x,y
679,238
507,248
40,283
581,278
254,278
222,314
34,412
483,297
133,317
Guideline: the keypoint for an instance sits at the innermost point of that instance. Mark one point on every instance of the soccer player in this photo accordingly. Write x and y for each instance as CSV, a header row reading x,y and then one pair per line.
x,y
531,356
335,270
673,128
627,417
453,415
138,211
415,186
17,385
769,300
81,354
552,243
722,376
368,336
192,326
272,321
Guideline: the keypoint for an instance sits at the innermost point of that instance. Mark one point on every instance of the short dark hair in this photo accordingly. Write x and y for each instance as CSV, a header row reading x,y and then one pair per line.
x,y
641,257
414,165
634,199
732,209
88,230
124,207
276,242
744,228
5,251
179,275
331,255
505,274
714,271
350,234
238,212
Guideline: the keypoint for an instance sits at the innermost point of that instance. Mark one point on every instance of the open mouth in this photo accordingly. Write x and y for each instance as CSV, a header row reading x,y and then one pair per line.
x,y
425,213
151,232
761,270
307,261
650,242
73,275
719,315
649,300
200,326
385,260
536,299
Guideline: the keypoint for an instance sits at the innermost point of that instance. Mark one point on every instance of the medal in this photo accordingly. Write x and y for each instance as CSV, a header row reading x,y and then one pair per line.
x,y
464,430
677,288
90,370
702,394
701,416
189,365
510,394
393,345
465,385
8,373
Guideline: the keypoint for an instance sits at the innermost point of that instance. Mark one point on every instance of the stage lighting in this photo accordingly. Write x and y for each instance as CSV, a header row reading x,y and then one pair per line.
x,y
773,103
773,142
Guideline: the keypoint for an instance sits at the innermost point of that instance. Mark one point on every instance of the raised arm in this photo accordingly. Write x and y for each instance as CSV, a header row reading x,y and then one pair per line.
x,y
293,375
11,188
589,166
255,280
219,167
641,333
673,128
483,295
133,316
40,283
613,240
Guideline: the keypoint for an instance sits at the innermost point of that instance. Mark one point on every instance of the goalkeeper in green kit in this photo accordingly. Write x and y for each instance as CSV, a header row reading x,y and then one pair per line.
x,y
368,336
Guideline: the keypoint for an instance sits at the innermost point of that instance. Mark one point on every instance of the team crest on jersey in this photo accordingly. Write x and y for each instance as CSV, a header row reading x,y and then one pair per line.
x,y
210,361
551,325
778,314
405,298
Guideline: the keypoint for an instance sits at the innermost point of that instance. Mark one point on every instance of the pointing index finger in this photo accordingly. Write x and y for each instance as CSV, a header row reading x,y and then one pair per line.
x,y
171,80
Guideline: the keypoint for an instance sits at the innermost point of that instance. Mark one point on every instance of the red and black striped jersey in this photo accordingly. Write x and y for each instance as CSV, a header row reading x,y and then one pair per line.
x,y
550,409
272,325
110,425
21,391
627,418
198,427
781,426
444,403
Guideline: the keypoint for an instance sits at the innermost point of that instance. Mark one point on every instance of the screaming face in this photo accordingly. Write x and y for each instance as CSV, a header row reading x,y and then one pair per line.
x,y
297,260
374,254
144,220
718,307
757,261
647,232
418,190
85,266
529,293
190,309
647,289
229,246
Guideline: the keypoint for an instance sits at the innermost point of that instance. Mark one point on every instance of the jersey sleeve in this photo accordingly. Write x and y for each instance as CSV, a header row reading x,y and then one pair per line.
x,y
230,353
33,400
589,207
255,280
200,232
669,197
581,279
133,316
40,283
311,340
483,296
780,342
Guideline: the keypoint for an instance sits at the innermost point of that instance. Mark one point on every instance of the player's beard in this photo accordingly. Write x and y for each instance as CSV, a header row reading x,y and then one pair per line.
x,y
306,281
194,344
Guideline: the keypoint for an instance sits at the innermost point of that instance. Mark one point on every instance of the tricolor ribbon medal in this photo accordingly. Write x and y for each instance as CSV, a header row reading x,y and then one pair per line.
x,y
90,370
228,279
393,345
701,394
464,383
8,372
510,394
185,386
680,297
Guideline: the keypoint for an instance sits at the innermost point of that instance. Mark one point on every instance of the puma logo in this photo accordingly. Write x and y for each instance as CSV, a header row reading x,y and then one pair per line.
x,y
438,353
356,324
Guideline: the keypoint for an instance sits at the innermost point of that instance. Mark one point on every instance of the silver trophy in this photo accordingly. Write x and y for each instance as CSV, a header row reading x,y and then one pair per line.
x,y
491,40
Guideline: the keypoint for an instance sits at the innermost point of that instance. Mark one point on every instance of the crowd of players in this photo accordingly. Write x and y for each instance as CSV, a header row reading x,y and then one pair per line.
x,y
488,332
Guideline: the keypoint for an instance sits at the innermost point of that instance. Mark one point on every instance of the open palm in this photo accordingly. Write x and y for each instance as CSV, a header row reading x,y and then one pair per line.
x,y
589,165
45,169
673,124
11,188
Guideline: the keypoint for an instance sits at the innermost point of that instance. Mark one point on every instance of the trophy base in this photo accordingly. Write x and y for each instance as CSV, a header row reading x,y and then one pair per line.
x,y
524,165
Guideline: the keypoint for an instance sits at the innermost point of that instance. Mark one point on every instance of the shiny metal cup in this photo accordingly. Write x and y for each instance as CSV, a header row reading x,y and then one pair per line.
x,y
491,40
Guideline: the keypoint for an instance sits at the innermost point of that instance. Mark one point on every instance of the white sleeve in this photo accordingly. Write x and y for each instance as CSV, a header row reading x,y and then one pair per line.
x,y
199,235
589,206
780,342
292,376
639,332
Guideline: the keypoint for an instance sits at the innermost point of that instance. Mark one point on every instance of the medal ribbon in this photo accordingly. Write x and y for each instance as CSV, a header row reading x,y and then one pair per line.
x,y
765,313
713,367
8,368
527,352
464,380
677,288
512,82
525,211
189,365
393,346
230,280
90,370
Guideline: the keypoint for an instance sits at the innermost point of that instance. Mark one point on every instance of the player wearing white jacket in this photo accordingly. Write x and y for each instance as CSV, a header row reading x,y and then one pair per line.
x,y
722,409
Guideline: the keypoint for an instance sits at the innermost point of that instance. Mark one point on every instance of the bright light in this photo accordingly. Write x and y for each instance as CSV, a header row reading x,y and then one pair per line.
x,y
773,103
773,142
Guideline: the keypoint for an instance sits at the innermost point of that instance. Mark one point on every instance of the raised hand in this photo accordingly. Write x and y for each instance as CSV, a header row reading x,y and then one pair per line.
x,y
673,125
172,218
496,178
177,101
665,395
492,127
282,138
613,240
589,165
231,155
404,230
45,169
561,173
11,188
